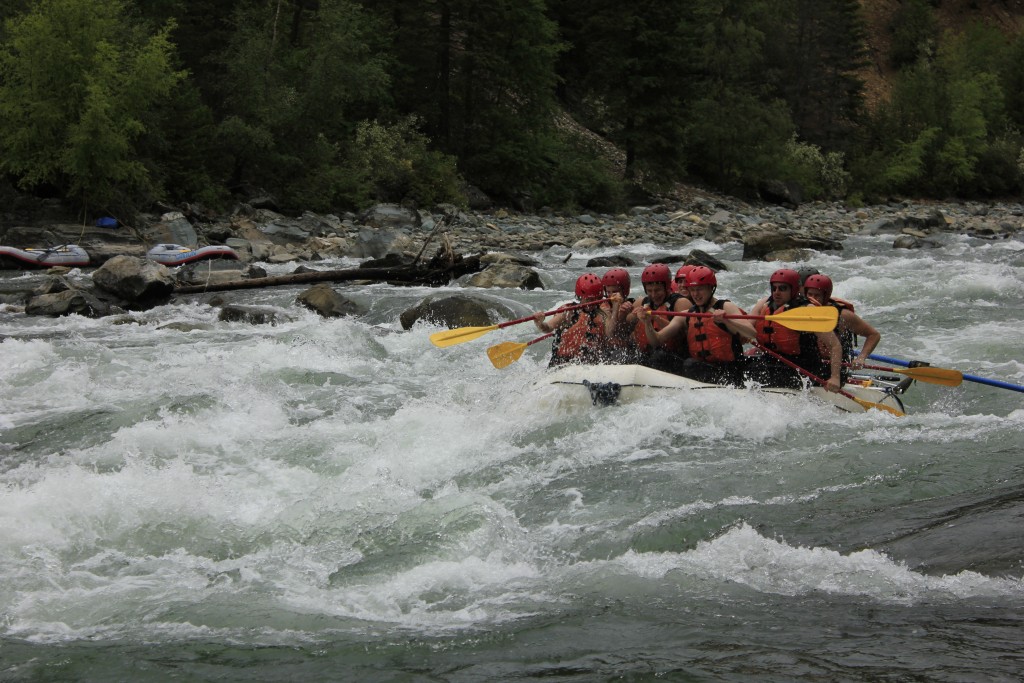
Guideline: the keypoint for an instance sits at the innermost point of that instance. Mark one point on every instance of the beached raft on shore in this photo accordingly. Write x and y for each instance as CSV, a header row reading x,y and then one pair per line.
x,y
178,255
70,255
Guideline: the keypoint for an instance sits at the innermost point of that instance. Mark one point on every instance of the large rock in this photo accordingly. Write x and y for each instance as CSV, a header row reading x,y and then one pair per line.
x,y
379,242
173,228
508,275
390,216
253,315
327,302
760,243
66,302
454,311
136,280
698,257
617,261
64,233
780,192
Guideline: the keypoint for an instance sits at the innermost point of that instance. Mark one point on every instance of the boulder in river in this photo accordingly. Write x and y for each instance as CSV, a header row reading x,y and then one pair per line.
x,y
454,311
136,280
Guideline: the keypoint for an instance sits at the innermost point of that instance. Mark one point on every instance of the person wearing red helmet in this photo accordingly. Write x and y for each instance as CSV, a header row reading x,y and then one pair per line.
x,y
579,333
715,345
679,284
616,287
800,348
658,337
818,289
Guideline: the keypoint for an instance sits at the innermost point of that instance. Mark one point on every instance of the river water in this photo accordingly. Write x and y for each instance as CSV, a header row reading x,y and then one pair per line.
x,y
340,500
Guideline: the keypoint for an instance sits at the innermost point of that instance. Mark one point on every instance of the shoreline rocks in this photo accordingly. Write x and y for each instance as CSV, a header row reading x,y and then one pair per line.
x,y
768,232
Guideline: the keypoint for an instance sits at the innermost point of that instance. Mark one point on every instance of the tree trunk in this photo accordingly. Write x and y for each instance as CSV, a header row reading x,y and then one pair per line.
x,y
398,275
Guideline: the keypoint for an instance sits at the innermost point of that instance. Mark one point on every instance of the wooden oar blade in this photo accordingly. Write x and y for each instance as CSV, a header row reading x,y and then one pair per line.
x,y
942,376
505,354
808,318
448,338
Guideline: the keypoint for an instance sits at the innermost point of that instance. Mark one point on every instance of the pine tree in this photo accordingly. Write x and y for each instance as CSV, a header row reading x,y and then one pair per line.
x,y
816,49
481,77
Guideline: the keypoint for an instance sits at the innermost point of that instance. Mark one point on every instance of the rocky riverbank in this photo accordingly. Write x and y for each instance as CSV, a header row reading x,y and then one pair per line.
x,y
768,232
391,236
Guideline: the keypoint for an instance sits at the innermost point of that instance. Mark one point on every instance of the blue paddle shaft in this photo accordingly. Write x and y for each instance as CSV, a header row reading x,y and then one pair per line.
x,y
972,378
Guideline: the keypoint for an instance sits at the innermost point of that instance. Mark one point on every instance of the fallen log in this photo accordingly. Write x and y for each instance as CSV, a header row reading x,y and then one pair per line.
x,y
396,275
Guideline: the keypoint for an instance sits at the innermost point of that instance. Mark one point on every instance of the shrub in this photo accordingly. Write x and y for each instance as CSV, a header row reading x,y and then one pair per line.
x,y
395,163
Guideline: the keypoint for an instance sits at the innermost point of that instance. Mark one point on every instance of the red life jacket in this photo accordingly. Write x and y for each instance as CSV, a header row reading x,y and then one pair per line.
x,y
710,342
583,336
658,322
775,336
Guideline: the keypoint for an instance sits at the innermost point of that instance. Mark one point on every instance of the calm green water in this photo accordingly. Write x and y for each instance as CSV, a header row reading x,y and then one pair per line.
x,y
340,500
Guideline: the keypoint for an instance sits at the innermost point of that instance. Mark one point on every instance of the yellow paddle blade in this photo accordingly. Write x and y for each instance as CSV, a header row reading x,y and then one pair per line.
x,y
808,318
868,405
457,336
942,376
505,354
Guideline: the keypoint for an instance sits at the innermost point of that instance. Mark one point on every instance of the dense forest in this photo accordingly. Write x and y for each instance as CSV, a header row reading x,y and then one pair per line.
x,y
112,105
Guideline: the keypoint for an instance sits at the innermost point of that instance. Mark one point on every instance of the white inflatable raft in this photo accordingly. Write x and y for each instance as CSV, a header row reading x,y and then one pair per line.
x,y
70,255
611,384
177,255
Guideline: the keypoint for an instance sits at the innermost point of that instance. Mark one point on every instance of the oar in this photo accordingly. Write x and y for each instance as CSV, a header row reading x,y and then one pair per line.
x,y
924,373
868,405
969,378
464,334
803,319
506,353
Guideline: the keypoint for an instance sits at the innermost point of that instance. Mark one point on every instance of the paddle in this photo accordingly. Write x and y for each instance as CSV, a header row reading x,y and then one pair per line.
x,y
803,319
969,378
506,353
868,405
924,373
464,334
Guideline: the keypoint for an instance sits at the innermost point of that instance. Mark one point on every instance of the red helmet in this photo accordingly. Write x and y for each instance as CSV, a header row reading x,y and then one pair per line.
x,y
682,272
588,286
822,282
657,272
786,276
701,275
617,277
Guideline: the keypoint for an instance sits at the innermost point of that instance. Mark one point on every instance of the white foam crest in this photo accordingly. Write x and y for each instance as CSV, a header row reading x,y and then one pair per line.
x,y
25,357
76,508
662,517
743,556
918,427
436,595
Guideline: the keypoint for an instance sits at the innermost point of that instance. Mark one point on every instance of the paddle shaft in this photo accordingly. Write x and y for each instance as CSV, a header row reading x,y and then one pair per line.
x,y
805,373
733,316
923,373
539,339
867,405
970,378
801,319
563,309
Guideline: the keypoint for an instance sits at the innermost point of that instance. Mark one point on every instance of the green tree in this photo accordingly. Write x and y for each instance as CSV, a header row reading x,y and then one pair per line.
x,y
914,32
945,130
633,70
480,76
738,130
76,80
298,81
812,62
